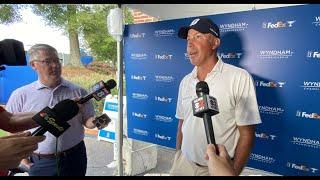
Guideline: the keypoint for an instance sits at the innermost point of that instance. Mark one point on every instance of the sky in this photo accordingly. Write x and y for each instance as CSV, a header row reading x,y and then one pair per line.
x,y
32,30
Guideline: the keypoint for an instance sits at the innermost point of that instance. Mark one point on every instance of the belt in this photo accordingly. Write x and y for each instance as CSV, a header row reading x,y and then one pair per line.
x,y
200,165
62,153
206,166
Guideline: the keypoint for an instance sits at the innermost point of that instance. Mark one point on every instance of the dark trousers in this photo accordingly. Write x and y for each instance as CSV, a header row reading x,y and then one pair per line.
x,y
71,164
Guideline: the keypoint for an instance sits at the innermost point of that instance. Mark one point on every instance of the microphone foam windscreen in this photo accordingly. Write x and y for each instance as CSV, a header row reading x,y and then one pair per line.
x,y
111,84
12,53
66,109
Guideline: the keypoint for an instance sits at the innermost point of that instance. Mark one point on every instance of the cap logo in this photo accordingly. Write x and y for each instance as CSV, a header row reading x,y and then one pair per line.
x,y
194,22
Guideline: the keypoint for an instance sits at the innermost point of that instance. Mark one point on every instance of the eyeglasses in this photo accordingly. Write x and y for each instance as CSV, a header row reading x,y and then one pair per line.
x,y
49,61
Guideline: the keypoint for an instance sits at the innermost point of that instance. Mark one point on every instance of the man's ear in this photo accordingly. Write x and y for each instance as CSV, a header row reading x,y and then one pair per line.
x,y
216,43
33,65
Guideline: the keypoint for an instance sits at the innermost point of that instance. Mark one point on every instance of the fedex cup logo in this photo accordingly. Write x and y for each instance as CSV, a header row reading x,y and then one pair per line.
x,y
278,24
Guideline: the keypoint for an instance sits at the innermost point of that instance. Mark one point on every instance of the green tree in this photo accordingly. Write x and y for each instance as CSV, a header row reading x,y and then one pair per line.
x,y
9,13
95,32
88,21
65,17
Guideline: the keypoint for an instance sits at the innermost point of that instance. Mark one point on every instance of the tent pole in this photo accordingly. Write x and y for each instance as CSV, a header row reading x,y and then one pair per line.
x,y
120,104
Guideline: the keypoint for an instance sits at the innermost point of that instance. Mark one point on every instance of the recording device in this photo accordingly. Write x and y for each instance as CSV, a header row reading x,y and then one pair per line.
x,y
55,120
204,107
102,121
99,91
12,53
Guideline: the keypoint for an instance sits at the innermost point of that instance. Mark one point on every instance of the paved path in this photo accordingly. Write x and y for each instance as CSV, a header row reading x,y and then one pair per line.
x,y
100,160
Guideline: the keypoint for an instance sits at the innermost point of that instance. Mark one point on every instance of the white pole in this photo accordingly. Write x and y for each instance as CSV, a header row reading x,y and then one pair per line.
x,y
120,104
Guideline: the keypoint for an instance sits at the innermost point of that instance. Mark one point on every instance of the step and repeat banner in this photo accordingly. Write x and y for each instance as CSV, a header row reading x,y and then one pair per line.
x,y
280,47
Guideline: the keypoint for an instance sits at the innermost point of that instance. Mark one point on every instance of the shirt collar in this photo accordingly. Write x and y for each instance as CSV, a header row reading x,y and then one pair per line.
x,y
39,85
217,68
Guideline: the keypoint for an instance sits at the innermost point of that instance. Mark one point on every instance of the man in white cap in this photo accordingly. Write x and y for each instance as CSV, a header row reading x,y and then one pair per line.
x,y
233,87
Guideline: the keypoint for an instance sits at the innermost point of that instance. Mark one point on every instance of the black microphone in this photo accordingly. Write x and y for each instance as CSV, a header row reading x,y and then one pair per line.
x,y
12,53
101,121
204,107
55,120
99,91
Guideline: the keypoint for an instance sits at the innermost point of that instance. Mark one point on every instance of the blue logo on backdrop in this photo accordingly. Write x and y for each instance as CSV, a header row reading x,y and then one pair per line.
x,y
164,33
139,56
139,115
308,115
278,24
265,136
162,137
314,54
311,85
316,21
163,78
306,142
140,96
137,35
271,110
140,132
301,167
186,56
275,54
262,158
163,118
163,57
138,77
163,99
270,84
238,26
230,55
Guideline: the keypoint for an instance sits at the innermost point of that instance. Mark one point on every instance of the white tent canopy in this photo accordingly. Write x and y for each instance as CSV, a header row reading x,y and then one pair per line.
x,y
176,11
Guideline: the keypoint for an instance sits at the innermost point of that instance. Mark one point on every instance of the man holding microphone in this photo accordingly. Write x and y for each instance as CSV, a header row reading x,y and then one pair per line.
x,y
13,148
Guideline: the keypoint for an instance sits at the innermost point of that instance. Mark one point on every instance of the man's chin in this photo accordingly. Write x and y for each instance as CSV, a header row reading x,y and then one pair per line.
x,y
194,62
55,77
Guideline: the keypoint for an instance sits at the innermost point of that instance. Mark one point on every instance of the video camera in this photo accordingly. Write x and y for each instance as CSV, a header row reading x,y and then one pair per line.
x,y
12,53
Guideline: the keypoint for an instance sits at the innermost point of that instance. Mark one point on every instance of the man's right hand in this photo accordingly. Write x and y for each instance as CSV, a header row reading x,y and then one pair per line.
x,y
14,148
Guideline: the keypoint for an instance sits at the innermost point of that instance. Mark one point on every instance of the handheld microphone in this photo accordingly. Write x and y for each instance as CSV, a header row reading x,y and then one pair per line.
x,y
101,121
99,91
55,120
204,107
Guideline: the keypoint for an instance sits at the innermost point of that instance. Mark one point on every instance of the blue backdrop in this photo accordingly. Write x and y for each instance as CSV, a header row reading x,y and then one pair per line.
x,y
14,77
279,47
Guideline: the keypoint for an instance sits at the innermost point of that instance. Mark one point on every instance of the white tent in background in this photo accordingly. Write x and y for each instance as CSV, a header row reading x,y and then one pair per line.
x,y
177,11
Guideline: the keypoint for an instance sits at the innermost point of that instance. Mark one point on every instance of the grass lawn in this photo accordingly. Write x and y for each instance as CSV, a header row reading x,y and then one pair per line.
x,y
2,133
86,78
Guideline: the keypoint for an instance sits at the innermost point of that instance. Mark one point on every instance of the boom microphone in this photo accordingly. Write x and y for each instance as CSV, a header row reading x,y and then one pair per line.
x,y
99,91
55,120
12,53
204,107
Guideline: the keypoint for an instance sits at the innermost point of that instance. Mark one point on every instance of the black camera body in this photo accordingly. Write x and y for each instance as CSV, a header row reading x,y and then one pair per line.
x,y
12,53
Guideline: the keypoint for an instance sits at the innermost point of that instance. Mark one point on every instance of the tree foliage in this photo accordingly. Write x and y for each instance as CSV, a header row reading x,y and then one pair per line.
x,y
95,32
9,13
65,17
76,20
